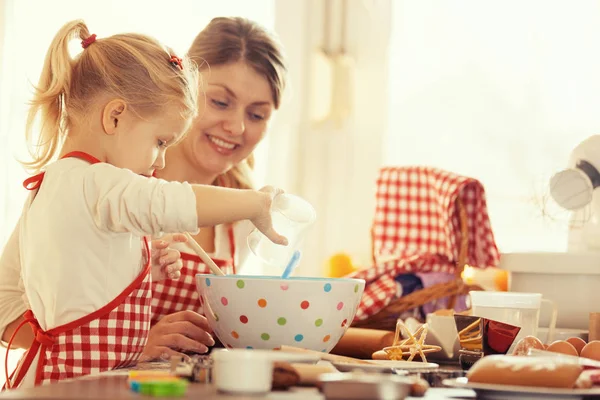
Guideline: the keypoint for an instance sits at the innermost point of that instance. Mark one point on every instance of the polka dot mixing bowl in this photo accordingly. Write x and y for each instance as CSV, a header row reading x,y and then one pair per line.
x,y
266,312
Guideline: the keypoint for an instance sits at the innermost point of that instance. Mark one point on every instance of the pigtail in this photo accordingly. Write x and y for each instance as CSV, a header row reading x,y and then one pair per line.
x,y
51,94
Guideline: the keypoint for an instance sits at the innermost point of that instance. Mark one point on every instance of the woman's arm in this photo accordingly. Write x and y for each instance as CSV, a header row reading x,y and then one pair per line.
x,y
12,294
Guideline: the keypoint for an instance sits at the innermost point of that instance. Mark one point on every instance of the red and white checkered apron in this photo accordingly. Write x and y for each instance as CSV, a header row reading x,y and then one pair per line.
x,y
173,295
112,337
416,229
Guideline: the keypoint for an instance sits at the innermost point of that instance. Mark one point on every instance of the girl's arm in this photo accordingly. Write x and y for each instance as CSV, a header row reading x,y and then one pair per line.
x,y
24,337
12,302
217,205
121,201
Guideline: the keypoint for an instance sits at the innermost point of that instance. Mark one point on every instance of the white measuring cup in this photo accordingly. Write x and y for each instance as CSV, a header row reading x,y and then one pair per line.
x,y
291,216
515,308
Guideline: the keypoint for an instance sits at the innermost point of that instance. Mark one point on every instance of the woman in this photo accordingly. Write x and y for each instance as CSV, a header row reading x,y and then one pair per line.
x,y
243,75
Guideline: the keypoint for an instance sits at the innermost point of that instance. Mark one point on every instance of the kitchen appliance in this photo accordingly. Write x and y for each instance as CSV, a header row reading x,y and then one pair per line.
x,y
571,279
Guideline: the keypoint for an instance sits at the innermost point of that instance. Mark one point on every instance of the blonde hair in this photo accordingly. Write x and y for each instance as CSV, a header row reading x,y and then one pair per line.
x,y
229,40
133,67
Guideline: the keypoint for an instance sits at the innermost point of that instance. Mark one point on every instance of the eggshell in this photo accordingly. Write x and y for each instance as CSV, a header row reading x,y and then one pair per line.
x,y
563,347
578,343
591,350
528,342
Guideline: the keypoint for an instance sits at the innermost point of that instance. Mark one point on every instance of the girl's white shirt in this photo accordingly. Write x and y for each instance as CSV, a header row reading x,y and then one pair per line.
x,y
80,236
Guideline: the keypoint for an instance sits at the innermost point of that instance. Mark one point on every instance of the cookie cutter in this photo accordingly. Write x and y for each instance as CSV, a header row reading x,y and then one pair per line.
x,y
479,337
196,368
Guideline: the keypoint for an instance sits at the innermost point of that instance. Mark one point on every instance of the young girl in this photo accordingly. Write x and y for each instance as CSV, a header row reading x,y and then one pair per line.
x,y
110,113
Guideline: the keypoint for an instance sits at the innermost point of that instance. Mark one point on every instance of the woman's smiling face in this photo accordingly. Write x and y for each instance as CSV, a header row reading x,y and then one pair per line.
x,y
232,120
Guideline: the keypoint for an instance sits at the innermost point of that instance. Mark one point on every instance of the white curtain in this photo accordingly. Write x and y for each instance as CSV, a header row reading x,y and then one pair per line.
x,y
497,90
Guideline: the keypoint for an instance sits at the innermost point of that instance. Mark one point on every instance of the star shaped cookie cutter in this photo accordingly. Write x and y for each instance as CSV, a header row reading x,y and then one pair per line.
x,y
415,344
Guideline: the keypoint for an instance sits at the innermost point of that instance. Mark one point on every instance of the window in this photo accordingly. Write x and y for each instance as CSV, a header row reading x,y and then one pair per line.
x,y
500,91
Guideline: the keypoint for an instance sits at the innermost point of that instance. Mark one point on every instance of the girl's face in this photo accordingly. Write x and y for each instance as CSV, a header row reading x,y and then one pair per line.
x,y
233,118
142,142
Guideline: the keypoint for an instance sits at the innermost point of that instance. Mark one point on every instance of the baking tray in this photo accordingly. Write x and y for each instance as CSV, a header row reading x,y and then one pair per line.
x,y
364,386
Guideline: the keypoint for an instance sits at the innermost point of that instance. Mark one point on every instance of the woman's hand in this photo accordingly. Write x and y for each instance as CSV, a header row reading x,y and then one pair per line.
x,y
166,261
176,334
263,221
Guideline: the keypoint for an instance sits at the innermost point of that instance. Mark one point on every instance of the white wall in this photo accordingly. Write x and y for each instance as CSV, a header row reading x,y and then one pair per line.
x,y
333,167
500,90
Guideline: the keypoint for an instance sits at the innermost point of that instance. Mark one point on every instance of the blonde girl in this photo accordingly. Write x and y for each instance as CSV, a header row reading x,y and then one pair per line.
x,y
108,115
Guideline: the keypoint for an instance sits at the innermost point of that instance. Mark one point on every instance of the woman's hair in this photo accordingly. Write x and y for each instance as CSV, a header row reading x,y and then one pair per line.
x,y
230,40
135,68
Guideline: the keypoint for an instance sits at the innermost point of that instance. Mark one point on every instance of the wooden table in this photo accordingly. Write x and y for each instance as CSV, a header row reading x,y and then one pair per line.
x,y
113,386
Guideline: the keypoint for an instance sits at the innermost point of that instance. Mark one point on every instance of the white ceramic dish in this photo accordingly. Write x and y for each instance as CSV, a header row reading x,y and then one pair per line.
x,y
250,371
346,386
384,365
242,372
276,355
497,392
406,365
353,367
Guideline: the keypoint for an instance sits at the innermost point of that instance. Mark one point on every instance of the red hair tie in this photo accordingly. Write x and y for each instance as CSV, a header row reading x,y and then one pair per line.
x,y
86,42
176,61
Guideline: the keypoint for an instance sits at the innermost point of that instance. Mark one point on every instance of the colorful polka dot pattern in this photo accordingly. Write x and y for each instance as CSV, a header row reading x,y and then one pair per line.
x,y
250,314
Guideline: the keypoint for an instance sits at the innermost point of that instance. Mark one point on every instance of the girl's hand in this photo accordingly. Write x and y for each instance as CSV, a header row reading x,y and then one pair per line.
x,y
166,261
263,221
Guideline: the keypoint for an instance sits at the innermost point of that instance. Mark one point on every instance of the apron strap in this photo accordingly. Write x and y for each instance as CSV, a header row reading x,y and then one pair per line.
x,y
40,338
82,156
34,182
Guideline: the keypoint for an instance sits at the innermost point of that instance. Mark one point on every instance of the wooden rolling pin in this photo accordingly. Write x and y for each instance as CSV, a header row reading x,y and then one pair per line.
x,y
286,375
362,343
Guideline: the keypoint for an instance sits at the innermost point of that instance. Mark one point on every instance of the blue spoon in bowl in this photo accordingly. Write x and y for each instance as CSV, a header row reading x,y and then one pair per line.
x,y
291,264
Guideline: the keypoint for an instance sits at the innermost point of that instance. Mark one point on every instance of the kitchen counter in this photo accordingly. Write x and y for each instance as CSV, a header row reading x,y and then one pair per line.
x,y
115,388
113,385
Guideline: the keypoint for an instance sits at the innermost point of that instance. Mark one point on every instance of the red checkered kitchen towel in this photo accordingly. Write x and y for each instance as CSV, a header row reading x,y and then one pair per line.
x,y
416,229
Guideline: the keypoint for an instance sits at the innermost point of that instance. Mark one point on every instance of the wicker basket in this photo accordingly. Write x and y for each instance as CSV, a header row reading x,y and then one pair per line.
x,y
387,317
